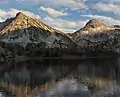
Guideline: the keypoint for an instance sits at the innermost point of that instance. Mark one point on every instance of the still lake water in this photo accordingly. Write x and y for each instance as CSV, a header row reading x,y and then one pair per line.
x,y
71,78
104,73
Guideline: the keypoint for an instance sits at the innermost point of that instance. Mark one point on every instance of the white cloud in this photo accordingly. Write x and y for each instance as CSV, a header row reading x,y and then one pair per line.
x,y
65,25
4,14
1,20
66,30
107,7
52,12
72,4
116,2
104,19
14,11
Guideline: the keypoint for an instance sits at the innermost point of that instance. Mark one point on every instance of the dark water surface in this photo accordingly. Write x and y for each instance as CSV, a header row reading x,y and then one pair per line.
x,y
69,78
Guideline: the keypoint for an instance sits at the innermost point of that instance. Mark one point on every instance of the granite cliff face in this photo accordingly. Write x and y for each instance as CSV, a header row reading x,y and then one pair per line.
x,y
96,37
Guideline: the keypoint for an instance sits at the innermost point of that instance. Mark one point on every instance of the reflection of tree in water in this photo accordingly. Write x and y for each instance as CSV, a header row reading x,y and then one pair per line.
x,y
92,68
62,69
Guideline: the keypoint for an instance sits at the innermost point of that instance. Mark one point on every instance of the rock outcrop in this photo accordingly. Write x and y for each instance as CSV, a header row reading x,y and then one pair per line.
x,y
93,26
97,37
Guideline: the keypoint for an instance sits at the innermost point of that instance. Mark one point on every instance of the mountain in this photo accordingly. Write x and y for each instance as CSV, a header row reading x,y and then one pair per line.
x,y
26,38
96,37
23,30
93,26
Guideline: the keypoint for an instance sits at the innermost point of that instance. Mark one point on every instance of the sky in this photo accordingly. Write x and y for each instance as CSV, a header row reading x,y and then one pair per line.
x,y
65,15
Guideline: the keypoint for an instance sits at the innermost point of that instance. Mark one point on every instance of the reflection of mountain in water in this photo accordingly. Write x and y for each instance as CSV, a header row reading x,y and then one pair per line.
x,y
91,73
56,69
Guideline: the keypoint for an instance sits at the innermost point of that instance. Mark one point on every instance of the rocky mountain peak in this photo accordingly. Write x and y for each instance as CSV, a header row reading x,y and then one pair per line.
x,y
23,29
94,23
92,26
20,15
21,21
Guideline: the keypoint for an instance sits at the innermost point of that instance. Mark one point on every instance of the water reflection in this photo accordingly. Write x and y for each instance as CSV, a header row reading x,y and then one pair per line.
x,y
38,73
68,77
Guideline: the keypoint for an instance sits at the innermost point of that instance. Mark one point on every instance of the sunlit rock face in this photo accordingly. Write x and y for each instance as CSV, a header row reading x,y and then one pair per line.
x,y
25,37
93,26
23,30
98,37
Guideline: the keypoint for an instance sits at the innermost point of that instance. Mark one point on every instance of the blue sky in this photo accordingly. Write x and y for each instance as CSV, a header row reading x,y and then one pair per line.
x,y
65,15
